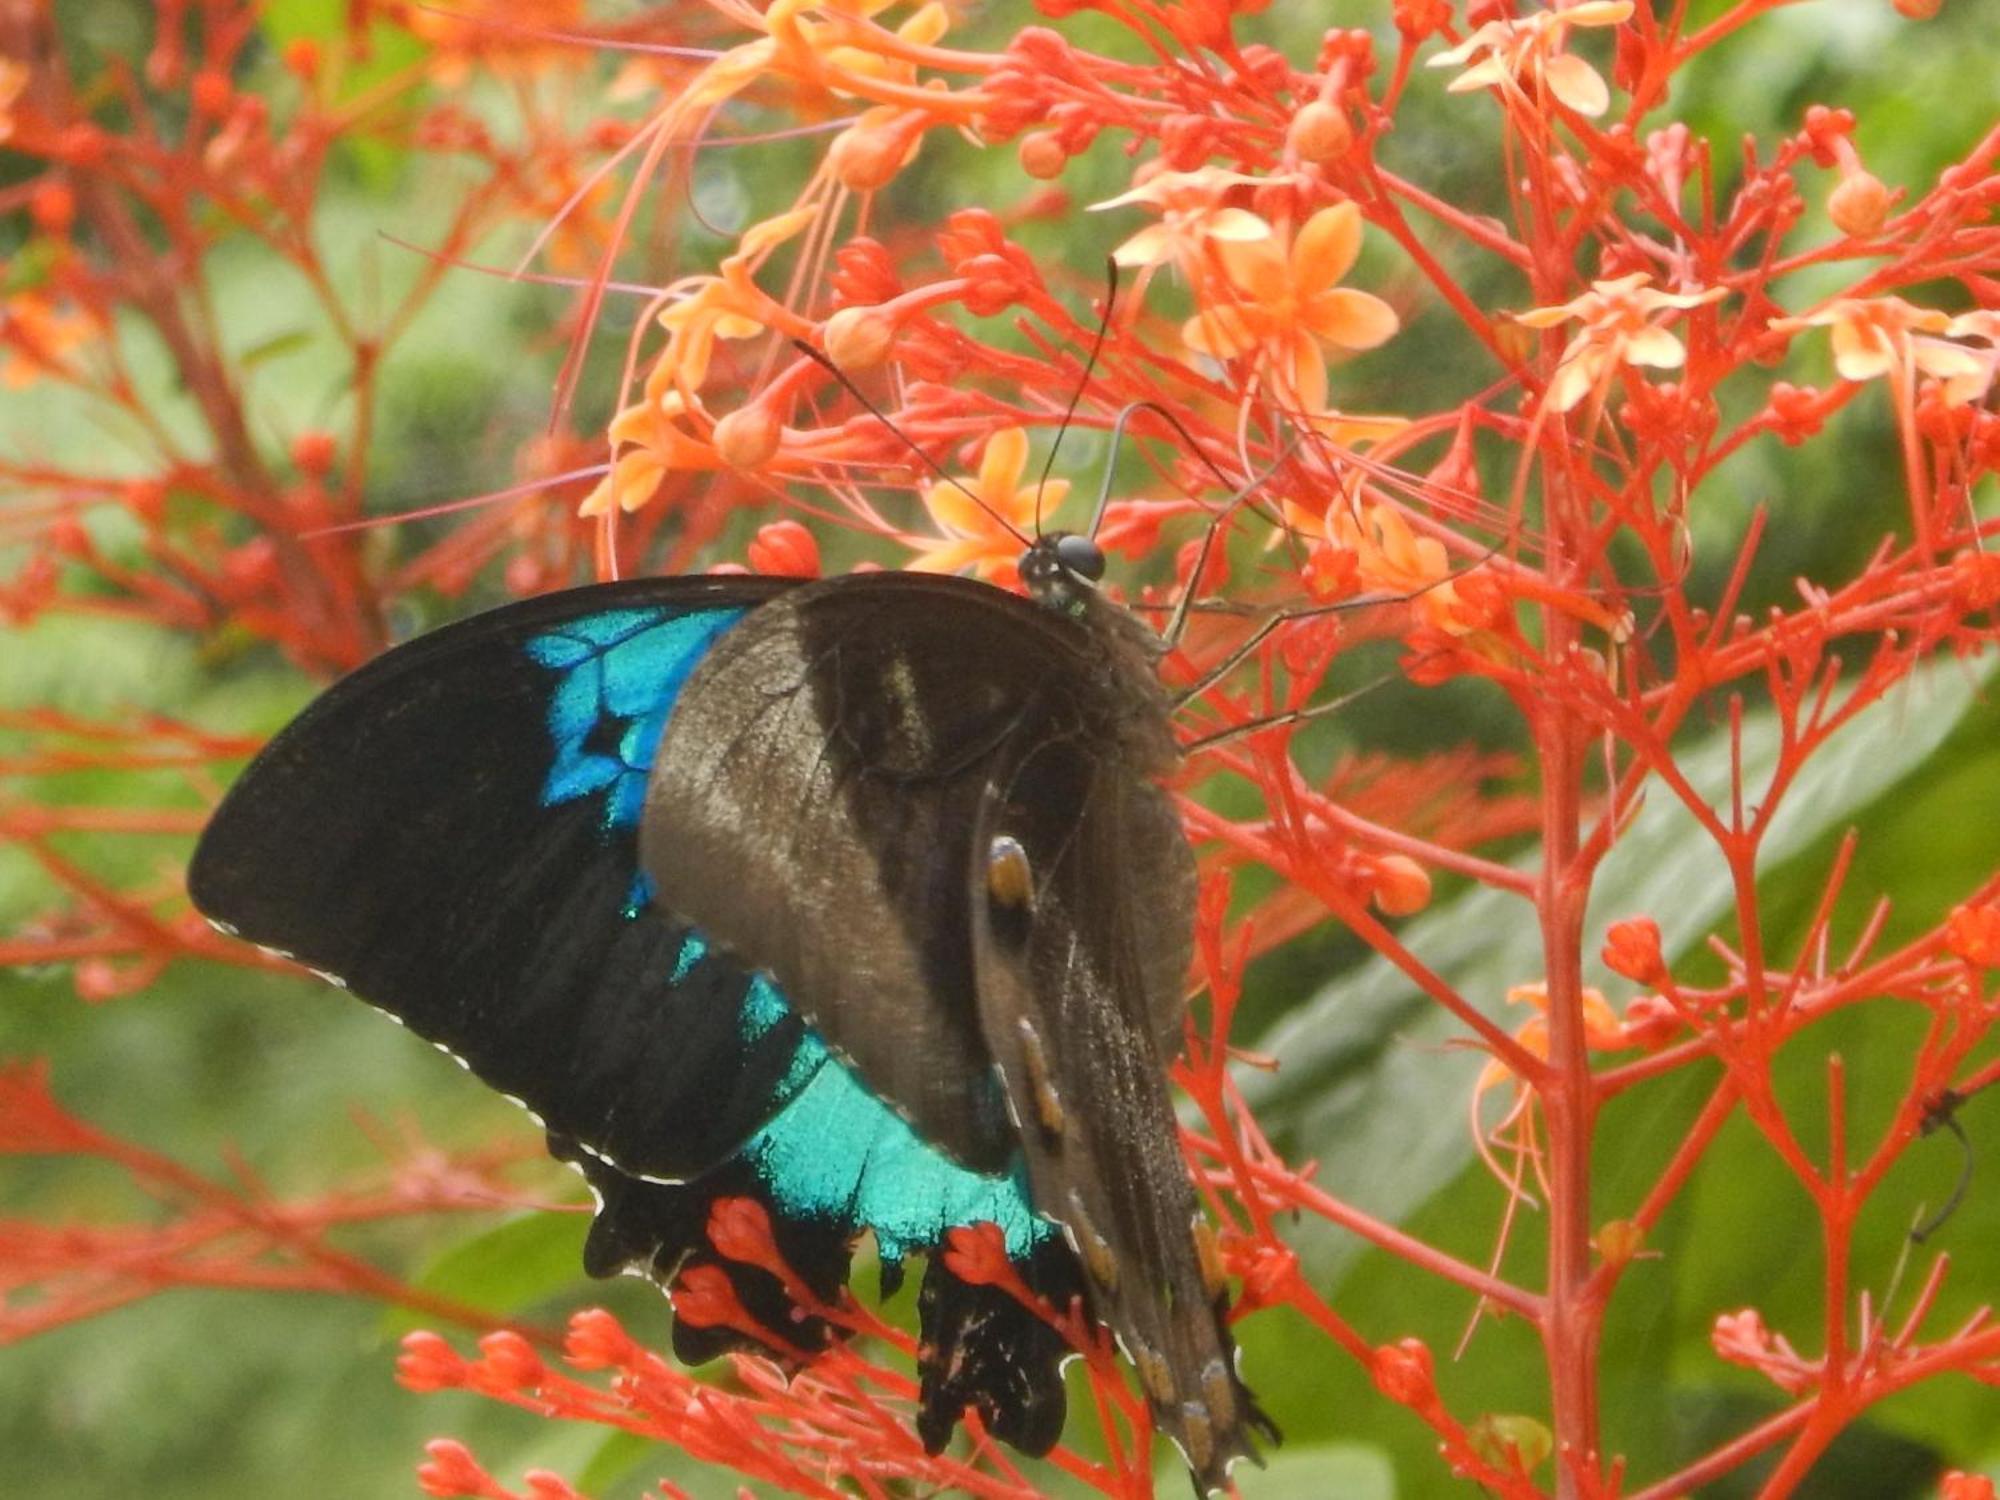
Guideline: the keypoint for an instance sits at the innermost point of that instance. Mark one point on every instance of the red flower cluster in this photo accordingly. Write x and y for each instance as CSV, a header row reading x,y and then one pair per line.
x,y
1625,320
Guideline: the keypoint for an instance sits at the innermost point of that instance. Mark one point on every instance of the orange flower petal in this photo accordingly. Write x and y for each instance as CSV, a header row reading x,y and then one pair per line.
x,y
1327,245
1351,319
1575,83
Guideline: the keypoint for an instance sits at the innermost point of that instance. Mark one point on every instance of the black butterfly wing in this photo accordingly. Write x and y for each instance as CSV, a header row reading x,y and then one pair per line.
x,y
450,832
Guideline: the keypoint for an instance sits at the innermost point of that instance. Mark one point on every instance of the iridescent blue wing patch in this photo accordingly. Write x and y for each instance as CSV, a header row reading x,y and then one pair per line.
x,y
449,833
617,674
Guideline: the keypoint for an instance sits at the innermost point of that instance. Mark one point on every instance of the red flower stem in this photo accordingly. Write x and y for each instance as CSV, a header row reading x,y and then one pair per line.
x,y
1314,1200
1736,1452
1715,1113
1571,1312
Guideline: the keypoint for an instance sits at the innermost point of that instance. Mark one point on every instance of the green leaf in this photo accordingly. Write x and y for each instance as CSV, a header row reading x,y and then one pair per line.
x,y
1332,1471
390,48
510,1267
274,346
1374,1078
617,1458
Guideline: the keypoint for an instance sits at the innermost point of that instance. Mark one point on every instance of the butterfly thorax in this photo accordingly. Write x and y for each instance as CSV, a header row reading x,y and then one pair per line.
x,y
1061,571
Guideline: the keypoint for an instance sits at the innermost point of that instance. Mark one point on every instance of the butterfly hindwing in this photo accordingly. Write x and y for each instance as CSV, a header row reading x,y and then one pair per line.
x,y
813,809
911,748
1063,983
449,832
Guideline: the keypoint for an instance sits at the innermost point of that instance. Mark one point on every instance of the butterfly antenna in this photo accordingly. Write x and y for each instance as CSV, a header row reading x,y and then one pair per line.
x,y
1942,1114
1076,399
1293,716
1177,621
820,359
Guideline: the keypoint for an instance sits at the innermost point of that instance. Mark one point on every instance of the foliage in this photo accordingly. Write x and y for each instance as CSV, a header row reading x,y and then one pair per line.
x,y
1640,400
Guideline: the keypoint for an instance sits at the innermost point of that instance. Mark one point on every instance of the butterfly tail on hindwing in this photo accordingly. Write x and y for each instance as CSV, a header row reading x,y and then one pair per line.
x,y
1080,999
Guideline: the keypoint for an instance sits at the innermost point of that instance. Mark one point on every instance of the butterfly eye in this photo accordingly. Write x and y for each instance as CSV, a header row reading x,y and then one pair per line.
x,y
1081,556
1009,879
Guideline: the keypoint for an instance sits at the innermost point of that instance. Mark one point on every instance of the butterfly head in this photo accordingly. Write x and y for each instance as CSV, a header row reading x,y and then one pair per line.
x,y
1061,570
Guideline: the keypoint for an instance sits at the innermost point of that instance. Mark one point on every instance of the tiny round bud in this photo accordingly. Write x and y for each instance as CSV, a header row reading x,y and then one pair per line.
x,y
211,92
1860,205
52,206
866,157
1042,154
524,575
1403,1372
784,549
857,337
313,452
96,979
302,58
1618,1241
748,437
1320,131
1401,886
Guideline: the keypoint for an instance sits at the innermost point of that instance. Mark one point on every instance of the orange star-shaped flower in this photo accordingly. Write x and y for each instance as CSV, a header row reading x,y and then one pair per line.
x,y
1530,49
36,335
1877,336
983,522
1618,328
1284,304
1191,214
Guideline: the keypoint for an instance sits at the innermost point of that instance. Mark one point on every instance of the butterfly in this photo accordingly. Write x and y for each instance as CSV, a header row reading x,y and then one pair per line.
x,y
856,898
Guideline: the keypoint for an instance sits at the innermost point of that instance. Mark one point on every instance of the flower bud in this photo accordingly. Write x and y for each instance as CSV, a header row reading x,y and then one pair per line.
x,y
1972,934
1042,154
596,1341
52,206
784,549
1860,205
1618,1241
1401,886
866,156
857,337
508,1362
1403,1373
1632,949
748,437
1320,131
313,452
211,93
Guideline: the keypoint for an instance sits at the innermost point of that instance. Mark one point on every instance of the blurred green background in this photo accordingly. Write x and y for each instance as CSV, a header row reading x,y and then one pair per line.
x,y
222,1394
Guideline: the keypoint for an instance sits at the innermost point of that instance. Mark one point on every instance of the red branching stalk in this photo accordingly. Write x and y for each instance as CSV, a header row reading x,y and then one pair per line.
x,y
206,1231
1644,289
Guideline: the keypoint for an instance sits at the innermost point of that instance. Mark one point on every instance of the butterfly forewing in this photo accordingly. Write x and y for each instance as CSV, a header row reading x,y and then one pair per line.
x,y
449,832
